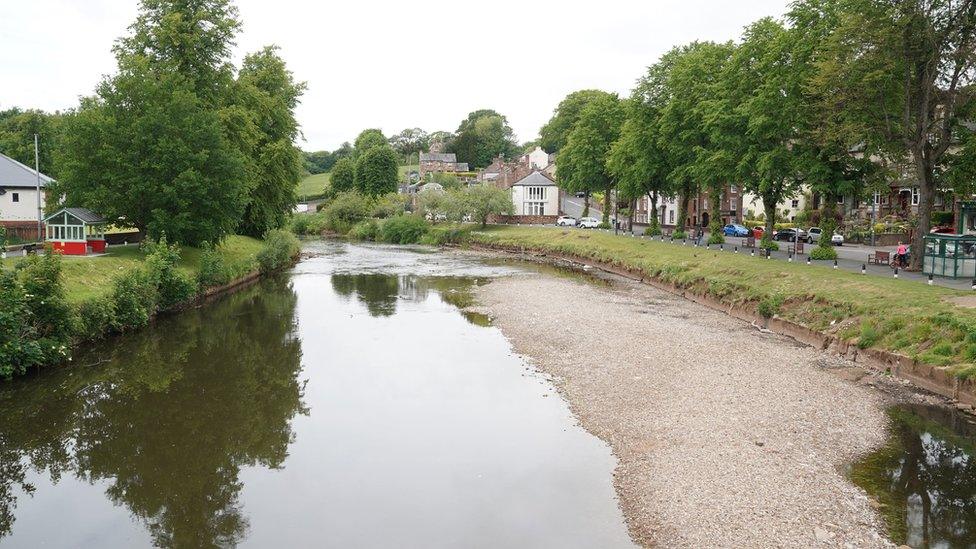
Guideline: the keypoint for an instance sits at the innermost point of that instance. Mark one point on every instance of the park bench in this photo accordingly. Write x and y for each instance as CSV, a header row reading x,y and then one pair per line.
x,y
880,258
796,248
667,232
749,242
29,249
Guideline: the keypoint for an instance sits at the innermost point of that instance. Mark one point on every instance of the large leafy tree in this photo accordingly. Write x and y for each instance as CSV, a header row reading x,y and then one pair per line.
x,y
482,136
270,94
17,130
583,161
369,139
343,176
898,76
410,141
555,133
377,171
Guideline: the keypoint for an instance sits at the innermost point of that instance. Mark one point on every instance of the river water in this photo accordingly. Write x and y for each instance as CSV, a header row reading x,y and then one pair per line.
x,y
349,403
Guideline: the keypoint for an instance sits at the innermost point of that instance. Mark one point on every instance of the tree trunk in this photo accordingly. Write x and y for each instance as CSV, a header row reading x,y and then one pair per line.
x,y
586,204
683,197
630,217
926,192
715,207
606,206
655,222
769,209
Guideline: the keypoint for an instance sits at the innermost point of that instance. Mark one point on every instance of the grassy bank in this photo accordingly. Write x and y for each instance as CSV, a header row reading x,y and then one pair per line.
x,y
313,186
906,317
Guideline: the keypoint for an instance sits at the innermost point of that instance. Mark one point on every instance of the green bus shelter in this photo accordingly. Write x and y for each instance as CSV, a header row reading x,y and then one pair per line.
x,y
950,255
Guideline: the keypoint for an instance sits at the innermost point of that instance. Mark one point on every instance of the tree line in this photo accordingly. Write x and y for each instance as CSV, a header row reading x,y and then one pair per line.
x,y
178,142
838,96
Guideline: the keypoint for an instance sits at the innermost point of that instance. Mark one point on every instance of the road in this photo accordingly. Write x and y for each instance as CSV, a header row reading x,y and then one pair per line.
x,y
572,206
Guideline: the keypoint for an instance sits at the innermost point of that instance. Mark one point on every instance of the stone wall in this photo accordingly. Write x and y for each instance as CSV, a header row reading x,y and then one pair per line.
x,y
523,219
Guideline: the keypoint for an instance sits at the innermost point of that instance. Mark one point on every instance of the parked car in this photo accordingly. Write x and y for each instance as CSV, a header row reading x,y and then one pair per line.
x,y
837,239
943,229
588,223
757,232
790,235
734,229
813,234
581,194
566,221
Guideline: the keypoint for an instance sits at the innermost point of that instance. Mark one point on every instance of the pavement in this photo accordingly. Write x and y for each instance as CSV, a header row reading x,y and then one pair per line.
x,y
570,205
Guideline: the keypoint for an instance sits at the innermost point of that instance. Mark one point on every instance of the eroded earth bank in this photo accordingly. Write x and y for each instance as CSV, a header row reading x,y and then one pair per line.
x,y
725,436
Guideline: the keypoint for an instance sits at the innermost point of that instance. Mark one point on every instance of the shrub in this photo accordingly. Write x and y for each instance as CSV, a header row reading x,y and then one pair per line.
x,y
823,253
389,205
134,298
653,230
344,211
942,218
716,237
172,286
403,229
51,316
439,236
366,229
770,306
767,243
869,335
280,247
19,348
678,235
96,317
213,270
943,349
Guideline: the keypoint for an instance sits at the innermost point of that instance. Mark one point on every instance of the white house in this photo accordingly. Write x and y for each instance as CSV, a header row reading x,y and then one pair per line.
x,y
538,159
18,192
788,208
535,195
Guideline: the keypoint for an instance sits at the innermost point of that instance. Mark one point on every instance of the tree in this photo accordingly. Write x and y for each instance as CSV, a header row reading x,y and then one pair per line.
x,y
554,134
432,201
482,136
318,161
369,139
410,141
483,201
269,92
343,176
377,171
898,76
583,161
17,129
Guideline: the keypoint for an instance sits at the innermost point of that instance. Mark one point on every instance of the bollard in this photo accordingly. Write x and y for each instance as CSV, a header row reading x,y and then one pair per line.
x,y
808,260
789,259
736,249
752,253
896,272
974,283
721,247
930,280
864,269
769,254
835,263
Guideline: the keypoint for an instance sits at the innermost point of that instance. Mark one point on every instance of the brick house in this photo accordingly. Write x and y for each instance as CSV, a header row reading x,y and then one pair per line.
x,y
730,209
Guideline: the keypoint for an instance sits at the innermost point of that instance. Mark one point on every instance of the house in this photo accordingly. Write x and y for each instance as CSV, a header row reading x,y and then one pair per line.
x,y
789,208
438,161
504,174
730,208
19,205
535,198
538,159
76,231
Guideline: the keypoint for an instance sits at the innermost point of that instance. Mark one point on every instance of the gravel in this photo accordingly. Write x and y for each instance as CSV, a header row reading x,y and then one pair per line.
x,y
725,436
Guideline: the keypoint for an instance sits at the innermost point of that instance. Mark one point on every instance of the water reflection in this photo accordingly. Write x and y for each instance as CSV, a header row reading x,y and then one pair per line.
x,y
165,418
380,293
925,478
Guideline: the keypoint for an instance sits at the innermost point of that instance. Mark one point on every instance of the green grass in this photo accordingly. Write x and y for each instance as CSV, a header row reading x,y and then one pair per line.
x,y
891,314
313,185
88,277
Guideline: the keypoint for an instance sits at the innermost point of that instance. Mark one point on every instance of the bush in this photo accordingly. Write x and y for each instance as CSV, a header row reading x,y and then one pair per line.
x,y
213,270
823,252
96,317
344,211
280,248
439,236
942,218
51,316
767,243
172,286
403,229
19,348
134,298
869,335
769,306
679,235
653,230
389,205
716,237
366,229
307,224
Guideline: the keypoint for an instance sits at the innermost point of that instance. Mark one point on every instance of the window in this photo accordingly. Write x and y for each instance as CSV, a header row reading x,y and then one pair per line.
x,y
733,189
840,200
877,198
671,217
534,208
795,203
914,196
536,193
15,197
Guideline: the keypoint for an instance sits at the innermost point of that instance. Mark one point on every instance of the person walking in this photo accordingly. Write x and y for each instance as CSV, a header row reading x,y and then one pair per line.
x,y
902,254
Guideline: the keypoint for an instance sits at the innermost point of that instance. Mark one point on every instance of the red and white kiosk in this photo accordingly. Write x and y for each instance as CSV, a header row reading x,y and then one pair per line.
x,y
76,231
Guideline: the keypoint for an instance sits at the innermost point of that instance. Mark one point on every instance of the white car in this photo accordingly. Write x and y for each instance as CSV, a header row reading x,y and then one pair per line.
x,y
566,221
837,239
588,223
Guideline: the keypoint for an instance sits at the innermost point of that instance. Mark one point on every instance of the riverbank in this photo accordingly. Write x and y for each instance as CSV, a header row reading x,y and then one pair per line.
x,y
922,333
725,436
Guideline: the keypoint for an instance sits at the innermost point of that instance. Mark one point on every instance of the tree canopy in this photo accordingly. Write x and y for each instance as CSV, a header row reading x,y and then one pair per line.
x,y
555,133
583,161
482,136
377,171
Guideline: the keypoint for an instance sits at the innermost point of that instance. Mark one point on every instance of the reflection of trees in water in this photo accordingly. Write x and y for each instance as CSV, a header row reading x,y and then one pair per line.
x,y
170,418
926,478
379,292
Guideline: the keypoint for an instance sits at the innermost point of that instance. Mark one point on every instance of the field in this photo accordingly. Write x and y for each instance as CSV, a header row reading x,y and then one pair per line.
x,y
313,186
903,316
86,277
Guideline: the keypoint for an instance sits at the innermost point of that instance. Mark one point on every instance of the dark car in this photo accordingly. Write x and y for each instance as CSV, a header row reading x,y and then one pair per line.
x,y
790,235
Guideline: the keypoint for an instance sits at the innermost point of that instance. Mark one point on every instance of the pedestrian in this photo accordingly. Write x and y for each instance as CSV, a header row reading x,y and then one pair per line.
x,y
902,254
701,231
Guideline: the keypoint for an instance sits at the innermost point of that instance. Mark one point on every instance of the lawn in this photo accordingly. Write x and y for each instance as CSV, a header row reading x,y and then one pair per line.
x,y
313,185
907,317
87,277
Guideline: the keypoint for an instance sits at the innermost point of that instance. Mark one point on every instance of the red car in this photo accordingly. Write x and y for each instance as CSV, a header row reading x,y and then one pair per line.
x,y
757,232
943,229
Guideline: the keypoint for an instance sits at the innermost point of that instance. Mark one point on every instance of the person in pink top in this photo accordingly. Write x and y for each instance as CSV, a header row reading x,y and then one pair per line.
x,y
902,254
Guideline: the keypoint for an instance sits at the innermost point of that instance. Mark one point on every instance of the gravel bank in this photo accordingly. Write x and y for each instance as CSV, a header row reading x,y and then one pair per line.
x,y
726,437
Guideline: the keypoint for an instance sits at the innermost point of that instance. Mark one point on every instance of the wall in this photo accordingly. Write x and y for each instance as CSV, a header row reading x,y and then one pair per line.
x,y
519,194
523,219
23,210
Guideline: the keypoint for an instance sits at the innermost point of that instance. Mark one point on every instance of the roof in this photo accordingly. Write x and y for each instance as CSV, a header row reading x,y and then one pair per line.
x,y
462,166
535,179
438,157
83,214
15,174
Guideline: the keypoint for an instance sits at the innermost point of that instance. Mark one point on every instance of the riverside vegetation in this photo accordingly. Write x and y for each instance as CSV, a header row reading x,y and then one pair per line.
x,y
49,304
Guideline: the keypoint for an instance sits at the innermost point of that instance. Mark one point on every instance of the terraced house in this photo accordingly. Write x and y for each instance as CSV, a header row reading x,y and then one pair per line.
x,y
19,200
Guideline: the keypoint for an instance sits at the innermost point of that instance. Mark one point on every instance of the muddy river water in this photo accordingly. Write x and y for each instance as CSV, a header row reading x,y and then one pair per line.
x,y
348,403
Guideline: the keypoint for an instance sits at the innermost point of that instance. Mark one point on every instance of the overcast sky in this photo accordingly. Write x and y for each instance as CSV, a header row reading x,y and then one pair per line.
x,y
390,65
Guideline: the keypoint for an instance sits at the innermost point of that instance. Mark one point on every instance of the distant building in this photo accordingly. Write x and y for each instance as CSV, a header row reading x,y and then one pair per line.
x,y
18,197
535,198
730,209
538,159
438,162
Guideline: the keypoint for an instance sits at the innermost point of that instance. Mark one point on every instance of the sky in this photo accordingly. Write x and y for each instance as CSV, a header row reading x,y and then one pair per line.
x,y
389,65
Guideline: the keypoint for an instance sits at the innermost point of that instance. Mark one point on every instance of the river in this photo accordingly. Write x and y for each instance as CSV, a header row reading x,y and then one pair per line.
x,y
348,403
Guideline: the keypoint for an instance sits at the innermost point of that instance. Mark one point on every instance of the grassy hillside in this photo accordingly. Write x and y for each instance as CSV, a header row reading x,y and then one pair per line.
x,y
313,185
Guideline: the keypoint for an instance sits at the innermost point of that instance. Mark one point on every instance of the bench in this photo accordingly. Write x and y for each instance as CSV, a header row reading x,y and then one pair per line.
x,y
749,242
796,248
880,258
29,249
